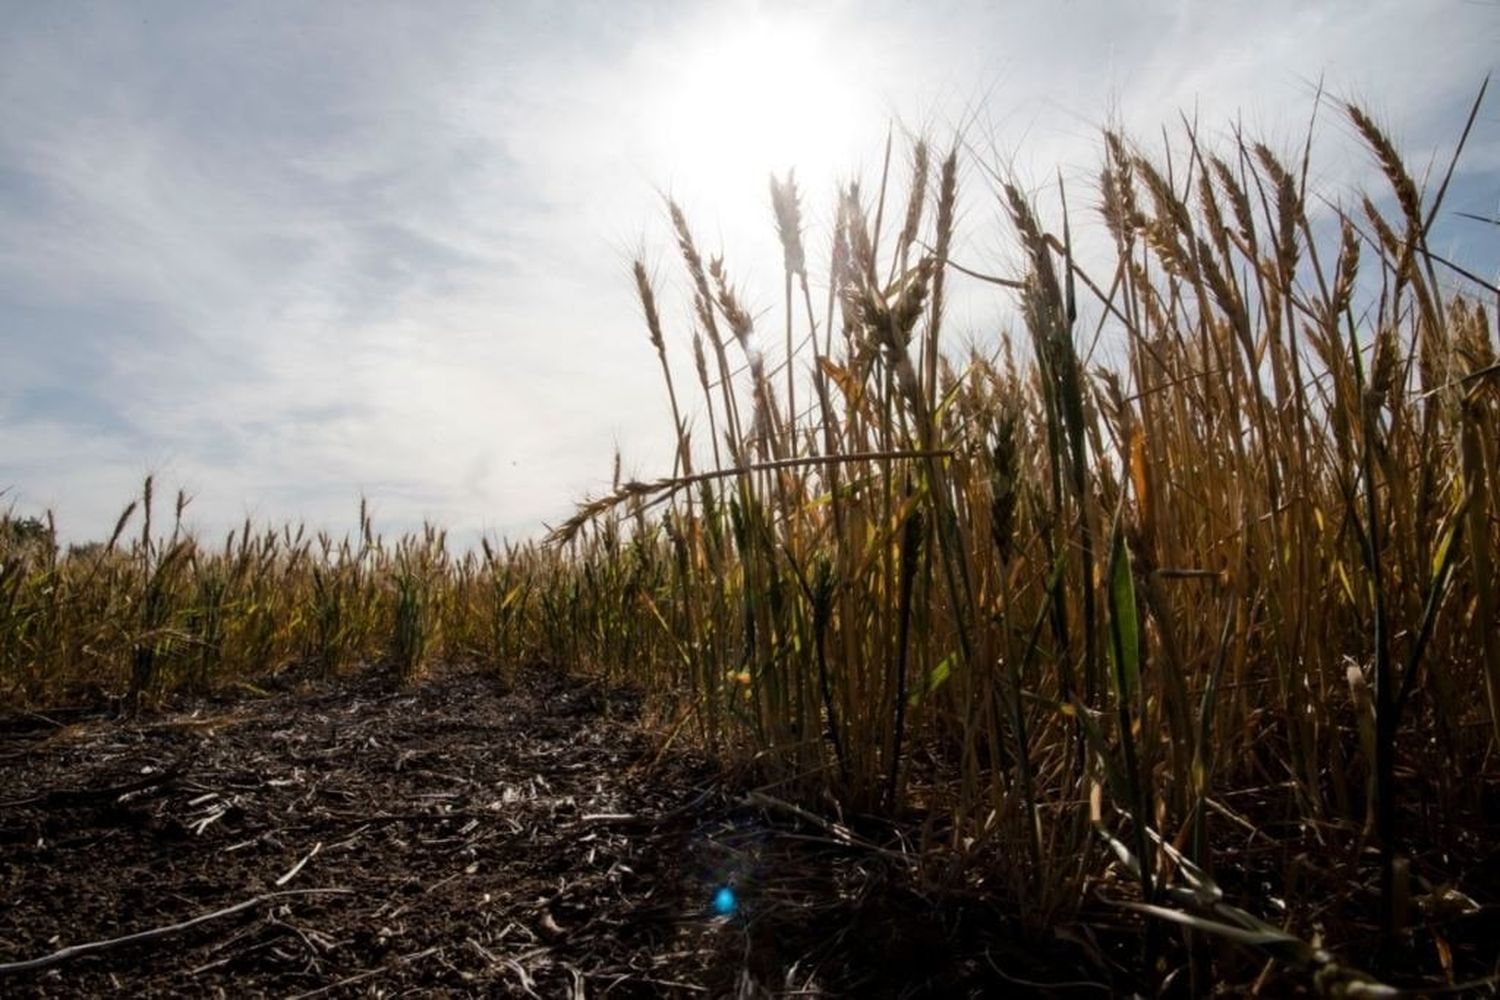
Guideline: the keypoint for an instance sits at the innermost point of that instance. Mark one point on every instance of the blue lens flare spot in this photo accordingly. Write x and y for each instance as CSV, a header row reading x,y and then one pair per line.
x,y
724,901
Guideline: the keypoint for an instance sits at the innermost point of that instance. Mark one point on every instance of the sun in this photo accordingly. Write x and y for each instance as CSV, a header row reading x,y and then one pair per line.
x,y
755,93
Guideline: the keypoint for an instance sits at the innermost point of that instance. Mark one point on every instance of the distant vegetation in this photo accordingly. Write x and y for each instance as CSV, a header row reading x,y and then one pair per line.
x,y
1221,614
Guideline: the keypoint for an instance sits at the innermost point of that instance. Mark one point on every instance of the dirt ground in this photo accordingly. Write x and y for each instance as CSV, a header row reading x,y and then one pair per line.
x,y
457,838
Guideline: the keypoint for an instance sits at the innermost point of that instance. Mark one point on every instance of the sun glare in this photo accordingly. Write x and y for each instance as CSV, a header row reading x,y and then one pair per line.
x,y
758,95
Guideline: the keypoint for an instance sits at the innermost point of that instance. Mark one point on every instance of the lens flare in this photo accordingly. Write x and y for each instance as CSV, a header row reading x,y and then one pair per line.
x,y
724,901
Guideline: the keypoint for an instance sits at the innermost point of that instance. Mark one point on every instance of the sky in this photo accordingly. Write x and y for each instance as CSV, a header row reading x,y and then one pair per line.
x,y
285,255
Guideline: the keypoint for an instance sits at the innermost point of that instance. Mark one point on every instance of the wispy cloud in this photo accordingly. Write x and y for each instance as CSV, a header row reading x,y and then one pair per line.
x,y
288,256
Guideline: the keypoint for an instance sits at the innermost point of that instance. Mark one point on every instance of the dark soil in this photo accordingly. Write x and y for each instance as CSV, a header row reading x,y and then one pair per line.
x,y
457,838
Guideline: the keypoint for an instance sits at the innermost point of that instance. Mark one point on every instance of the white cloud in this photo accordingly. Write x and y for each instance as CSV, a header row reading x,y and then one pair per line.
x,y
286,257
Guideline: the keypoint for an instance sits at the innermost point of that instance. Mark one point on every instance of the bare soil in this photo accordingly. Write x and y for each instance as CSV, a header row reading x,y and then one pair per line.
x,y
456,838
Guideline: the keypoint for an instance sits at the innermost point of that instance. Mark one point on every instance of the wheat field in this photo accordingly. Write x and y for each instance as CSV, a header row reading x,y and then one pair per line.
x,y
1208,631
